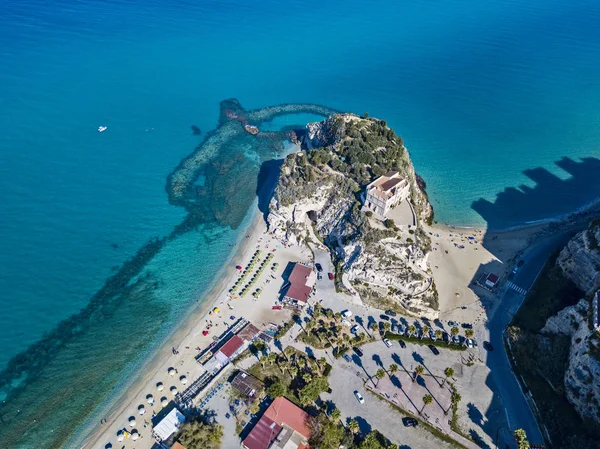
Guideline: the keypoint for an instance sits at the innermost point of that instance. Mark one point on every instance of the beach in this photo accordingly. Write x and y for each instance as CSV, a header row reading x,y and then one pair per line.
x,y
181,348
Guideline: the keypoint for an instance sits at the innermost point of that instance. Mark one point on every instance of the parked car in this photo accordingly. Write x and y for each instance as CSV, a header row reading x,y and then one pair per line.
x,y
401,330
390,313
276,307
469,343
520,263
384,317
434,349
381,326
346,313
347,358
432,335
409,422
487,345
346,323
515,269
446,337
402,344
354,329
456,339
387,342
319,267
467,326
358,352
359,397
474,343
319,276
395,328
330,275
452,323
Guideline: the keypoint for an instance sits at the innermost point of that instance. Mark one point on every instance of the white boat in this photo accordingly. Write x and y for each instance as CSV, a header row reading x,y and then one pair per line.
x,y
101,129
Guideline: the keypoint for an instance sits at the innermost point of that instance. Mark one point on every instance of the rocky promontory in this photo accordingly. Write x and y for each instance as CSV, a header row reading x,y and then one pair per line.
x,y
319,199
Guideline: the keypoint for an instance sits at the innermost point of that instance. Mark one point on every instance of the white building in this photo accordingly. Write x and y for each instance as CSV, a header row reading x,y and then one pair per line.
x,y
385,192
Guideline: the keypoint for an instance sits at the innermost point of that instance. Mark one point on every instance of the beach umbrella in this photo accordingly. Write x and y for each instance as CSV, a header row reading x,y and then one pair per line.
x,y
183,380
120,436
174,390
135,435
141,409
164,401
171,371
132,421
160,386
150,399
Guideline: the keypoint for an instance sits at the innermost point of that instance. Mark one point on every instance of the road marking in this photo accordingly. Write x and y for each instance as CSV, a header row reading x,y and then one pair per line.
x,y
516,288
507,420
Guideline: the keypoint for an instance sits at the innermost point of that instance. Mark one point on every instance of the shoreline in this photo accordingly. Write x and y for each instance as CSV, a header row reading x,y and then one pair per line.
x,y
192,324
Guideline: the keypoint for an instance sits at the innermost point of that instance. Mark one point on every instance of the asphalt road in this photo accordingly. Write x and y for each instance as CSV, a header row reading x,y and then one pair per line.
x,y
518,413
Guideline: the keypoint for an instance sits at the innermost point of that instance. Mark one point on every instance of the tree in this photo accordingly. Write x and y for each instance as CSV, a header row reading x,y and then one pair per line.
x,y
353,426
335,414
454,331
521,439
393,369
263,360
469,333
425,330
380,374
449,372
438,334
419,370
311,391
389,223
325,433
373,327
387,326
201,434
427,399
276,387
412,329
272,357
374,440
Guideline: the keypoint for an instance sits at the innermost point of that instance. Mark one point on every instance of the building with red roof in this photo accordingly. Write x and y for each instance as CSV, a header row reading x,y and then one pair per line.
x,y
232,348
284,425
300,284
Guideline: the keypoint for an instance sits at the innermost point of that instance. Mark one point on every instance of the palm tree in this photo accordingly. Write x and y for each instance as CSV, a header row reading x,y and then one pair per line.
x,y
263,360
353,426
521,439
373,327
387,326
272,357
335,414
380,374
337,316
438,334
469,333
427,399
454,331
449,372
393,369
419,370
411,330
425,330
307,377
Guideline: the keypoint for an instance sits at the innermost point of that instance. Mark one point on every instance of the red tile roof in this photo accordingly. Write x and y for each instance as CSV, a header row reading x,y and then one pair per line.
x,y
298,289
280,412
492,278
285,412
263,434
232,345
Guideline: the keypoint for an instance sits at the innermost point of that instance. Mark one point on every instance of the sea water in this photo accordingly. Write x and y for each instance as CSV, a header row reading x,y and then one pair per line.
x,y
487,95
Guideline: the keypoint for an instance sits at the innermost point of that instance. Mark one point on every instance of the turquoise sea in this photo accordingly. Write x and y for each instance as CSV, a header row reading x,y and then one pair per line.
x,y
488,96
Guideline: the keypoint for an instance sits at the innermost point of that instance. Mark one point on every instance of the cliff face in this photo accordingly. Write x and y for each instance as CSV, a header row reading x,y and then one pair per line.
x,y
317,198
580,262
582,377
580,259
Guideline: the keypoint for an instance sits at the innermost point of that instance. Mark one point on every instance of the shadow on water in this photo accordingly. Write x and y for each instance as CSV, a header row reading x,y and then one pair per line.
x,y
550,197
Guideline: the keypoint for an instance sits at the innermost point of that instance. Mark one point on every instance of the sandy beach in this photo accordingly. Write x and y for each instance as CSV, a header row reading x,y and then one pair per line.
x,y
181,348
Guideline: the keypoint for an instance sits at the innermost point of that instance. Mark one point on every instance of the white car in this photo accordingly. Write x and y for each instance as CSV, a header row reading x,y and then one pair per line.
x,y
354,329
346,313
346,323
359,397
387,342
469,343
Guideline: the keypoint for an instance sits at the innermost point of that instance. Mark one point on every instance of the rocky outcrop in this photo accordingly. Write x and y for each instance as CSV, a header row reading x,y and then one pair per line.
x,y
316,199
580,259
582,377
